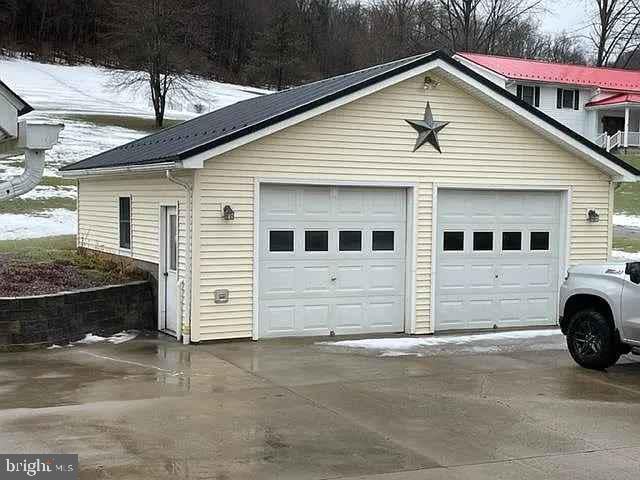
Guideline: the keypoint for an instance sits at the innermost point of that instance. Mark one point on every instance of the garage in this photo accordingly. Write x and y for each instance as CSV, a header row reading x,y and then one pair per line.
x,y
331,260
498,258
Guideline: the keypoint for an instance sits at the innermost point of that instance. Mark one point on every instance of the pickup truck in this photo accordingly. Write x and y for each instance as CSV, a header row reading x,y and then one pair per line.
x,y
600,313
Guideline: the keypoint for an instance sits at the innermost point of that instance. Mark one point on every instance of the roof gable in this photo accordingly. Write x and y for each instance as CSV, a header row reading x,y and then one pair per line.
x,y
558,73
222,130
21,106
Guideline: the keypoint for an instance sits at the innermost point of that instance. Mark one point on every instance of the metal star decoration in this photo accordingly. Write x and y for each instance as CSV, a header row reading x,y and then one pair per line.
x,y
427,130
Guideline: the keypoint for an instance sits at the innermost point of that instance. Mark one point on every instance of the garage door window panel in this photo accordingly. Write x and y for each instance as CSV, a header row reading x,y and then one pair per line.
x,y
511,241
383,241
482,241
281,240
453,241
350,241
540,242
316,241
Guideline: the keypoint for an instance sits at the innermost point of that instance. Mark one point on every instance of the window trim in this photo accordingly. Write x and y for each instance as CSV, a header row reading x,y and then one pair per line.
x,y
130,247
535,94
473,242
548,249
280,252
464,240
316,252
362,241
394,238
522,243
575,99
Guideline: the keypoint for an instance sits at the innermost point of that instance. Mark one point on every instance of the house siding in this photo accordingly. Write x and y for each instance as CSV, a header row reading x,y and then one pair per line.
x,y
98,215
581,121
368,140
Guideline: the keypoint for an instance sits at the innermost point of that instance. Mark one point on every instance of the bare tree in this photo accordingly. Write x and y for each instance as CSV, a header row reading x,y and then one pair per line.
x,y
153,46
476,25
614,30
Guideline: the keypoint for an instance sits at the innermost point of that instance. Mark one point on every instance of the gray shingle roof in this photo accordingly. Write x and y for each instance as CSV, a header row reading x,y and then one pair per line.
x,y
22,106
220,126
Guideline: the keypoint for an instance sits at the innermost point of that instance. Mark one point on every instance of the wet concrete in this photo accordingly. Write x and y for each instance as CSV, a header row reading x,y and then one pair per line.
x,y
292,409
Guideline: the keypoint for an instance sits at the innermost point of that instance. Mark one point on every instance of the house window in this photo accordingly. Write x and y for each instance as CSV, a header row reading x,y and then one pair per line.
x,y
529,94
125,222
568,99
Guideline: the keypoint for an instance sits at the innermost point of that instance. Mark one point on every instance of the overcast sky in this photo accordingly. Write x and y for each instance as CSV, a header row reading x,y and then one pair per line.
x,y
566,15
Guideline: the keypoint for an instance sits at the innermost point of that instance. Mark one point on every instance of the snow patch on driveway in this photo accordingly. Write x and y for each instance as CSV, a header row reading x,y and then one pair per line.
x,y
116,339
547,339
625,256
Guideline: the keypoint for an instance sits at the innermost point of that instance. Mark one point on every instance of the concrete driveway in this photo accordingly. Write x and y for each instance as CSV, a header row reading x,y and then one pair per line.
x,y
293,409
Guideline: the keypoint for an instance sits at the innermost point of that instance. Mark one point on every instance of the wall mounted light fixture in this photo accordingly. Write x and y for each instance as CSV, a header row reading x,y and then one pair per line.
x,y
228,213
593,216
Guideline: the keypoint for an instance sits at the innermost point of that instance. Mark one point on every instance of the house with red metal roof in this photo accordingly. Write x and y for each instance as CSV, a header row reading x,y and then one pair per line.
x,y
601,104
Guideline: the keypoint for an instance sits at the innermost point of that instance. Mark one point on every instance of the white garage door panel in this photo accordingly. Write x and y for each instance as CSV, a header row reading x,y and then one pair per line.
x,y
358,289
482,286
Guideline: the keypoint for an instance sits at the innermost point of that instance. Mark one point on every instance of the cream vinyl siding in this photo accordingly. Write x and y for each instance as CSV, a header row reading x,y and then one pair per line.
x,y
98,214
368,140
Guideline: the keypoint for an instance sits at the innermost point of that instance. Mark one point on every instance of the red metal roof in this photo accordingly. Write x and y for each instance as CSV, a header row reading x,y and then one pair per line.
x,y
616,99
539,71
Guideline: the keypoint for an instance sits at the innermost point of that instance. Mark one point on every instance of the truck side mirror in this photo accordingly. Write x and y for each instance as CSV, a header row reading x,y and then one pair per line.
x,y
633,270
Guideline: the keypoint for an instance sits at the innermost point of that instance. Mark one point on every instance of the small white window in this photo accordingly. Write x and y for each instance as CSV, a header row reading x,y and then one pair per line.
x,y
124,206
529,94
568,99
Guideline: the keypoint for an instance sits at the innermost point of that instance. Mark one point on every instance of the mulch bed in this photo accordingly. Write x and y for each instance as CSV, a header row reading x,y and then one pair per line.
x,y
21,279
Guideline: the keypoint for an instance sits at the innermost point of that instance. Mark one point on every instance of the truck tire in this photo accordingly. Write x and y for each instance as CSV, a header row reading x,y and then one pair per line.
x,y
592,341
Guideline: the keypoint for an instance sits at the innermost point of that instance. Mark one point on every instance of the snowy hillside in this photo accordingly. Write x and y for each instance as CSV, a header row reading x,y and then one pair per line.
x,y
97,118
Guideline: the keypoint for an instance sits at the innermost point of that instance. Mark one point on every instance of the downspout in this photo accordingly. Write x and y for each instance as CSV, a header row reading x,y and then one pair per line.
x,y
34,140
33,170
186,297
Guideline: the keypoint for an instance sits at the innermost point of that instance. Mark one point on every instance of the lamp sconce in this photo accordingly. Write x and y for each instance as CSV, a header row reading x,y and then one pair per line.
x,y
430,83
228,213
593,216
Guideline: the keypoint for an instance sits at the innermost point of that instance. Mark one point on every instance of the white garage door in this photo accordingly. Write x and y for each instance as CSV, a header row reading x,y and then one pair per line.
x,y
332,259
498,256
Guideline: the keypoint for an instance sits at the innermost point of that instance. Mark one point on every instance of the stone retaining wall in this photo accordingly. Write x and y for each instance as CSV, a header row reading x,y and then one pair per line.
x,y
30,322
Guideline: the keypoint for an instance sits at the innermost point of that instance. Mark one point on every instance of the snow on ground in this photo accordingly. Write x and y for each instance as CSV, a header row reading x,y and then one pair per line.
x,y
548,339
87,89
58,221
97,118
116,339
625,256
623,220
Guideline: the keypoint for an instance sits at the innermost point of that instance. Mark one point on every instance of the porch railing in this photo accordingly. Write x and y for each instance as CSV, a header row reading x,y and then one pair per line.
x,y
617,140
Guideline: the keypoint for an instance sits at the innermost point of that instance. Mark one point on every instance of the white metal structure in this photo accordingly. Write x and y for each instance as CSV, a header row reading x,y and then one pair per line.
x,y
498,258
331,259
33,140
169,270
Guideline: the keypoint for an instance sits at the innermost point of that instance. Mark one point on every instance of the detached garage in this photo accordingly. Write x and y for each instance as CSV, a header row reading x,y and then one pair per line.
x,y
414,196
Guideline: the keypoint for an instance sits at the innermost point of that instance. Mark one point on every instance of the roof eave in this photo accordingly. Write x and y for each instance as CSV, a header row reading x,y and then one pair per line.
x,y
21,105
120,170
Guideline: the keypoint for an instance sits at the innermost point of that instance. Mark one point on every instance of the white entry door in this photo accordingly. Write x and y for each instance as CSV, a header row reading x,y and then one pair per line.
x,y
498,258
332,259
169,266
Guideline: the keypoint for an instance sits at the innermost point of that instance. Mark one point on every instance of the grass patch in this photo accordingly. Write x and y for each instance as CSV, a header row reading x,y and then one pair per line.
x,y
35,205
52,264
57,182
146,125
627,196
41,249
626,244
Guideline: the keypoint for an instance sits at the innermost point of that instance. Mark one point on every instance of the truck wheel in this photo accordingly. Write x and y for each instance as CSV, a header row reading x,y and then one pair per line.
x,y
591,340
